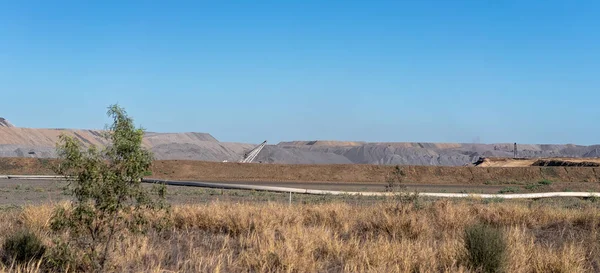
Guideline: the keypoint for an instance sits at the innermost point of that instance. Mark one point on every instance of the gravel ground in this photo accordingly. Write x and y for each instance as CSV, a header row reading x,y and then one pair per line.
x,y
16,193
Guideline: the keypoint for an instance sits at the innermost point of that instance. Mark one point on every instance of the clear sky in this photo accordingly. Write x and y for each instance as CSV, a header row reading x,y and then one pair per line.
x,y
246,71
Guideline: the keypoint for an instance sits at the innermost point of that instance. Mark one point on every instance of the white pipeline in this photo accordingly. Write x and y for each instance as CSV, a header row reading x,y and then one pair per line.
x,y
326,192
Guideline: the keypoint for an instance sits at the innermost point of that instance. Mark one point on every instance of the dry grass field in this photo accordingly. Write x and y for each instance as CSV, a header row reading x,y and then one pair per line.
x,y
387,236
213,230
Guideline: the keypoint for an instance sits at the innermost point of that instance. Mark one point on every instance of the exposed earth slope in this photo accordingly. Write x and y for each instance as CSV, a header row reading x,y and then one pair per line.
x,y
40,143
343,173
436,154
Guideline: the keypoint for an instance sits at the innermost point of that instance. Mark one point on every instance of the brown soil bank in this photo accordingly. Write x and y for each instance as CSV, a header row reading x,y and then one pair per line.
x,y
212,171
209,171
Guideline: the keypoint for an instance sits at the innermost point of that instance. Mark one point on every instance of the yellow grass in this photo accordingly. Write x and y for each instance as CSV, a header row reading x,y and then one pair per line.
x,y
386,237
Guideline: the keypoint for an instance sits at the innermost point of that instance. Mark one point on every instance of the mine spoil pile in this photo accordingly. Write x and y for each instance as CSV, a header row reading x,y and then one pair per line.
x,y
40,143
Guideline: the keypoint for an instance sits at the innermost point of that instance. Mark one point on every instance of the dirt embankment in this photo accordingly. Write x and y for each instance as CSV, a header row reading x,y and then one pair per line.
x,y
213,171
19,165
195,170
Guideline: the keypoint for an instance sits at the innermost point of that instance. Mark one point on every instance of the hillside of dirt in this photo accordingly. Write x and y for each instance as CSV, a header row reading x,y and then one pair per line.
x,y
433,154
40,143
211,171
215,171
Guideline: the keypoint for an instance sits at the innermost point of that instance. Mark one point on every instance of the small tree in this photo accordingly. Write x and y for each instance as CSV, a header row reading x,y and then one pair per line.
x,y
395,179
108,198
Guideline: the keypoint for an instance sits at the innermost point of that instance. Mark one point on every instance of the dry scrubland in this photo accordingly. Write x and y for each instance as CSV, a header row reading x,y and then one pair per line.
x,y
390,236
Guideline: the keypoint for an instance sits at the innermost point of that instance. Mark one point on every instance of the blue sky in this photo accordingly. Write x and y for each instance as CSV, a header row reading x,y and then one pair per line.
x,y
246,71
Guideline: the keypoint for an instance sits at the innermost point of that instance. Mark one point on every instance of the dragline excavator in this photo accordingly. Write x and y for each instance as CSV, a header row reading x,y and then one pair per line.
x,y
252,154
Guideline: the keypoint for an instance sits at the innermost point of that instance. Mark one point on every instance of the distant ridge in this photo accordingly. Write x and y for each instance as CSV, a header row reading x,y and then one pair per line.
x,y
412,153
40,143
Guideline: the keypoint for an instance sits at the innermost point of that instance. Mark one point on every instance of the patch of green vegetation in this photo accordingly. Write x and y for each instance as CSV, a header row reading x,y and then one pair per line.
x,y
395,180
509,190
545,182
593,198
22,247
532,187
109,200
542,183
490,182
493,200
549,171
10,207
44,162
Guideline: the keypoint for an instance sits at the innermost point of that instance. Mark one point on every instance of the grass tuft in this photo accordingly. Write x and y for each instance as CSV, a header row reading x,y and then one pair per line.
x,y
23,247
486,247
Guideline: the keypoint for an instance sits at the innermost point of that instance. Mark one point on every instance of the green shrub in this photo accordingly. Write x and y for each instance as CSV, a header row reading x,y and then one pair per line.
x,y
548,171
508,190
60,258
23,247
493,200
486,248
545,182
395,180
532,187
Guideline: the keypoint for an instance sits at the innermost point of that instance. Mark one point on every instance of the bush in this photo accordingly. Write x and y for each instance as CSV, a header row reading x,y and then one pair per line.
x,y
486,248
508,190
23,247
545,182
60,258
532,187
395,179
